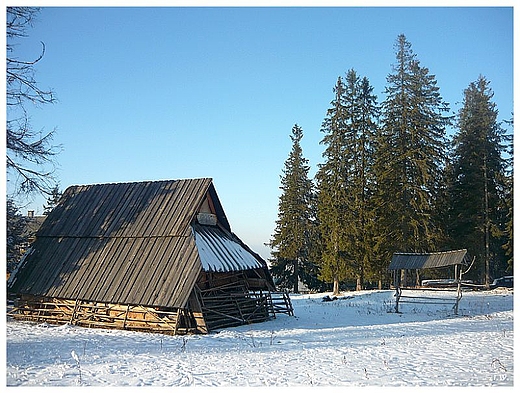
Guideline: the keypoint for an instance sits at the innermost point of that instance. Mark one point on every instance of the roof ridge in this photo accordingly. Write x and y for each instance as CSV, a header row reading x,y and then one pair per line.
x,y
141,181
431,253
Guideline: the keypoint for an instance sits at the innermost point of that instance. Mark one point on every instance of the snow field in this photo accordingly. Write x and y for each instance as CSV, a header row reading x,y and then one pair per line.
x,y
355,341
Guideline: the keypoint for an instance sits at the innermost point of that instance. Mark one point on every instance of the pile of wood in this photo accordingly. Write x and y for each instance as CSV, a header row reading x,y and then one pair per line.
x,y
106,315
232,304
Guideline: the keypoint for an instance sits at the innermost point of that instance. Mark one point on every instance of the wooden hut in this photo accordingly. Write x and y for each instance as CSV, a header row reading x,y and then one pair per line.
x,y
154,256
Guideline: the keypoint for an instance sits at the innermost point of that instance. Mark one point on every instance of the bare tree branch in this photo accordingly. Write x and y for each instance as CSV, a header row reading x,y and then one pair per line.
x,y
29,154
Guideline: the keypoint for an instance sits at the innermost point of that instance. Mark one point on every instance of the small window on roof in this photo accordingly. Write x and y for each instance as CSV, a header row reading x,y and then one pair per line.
x,y
207,219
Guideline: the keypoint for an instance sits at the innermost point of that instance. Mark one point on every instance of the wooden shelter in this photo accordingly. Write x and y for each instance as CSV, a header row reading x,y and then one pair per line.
x,y
154,256
418,261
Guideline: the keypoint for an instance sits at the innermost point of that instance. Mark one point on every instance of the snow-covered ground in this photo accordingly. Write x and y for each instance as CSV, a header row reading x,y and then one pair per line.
x,y
356,340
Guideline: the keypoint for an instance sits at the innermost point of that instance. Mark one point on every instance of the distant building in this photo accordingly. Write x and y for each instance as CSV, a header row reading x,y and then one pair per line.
x,y
33,223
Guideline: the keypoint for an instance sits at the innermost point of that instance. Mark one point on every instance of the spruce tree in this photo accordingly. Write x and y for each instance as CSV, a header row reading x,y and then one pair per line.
x,y
52,200
16,237
478,182
411,156
295,228
332,201
345,184
375,265
508,200
360,132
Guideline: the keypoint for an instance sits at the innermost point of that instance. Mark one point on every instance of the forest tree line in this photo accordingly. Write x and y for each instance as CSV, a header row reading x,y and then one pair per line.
x,y
393,180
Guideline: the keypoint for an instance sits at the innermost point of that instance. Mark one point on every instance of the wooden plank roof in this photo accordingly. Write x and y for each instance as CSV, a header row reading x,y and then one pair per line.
x,y
141,209
428,260
129,243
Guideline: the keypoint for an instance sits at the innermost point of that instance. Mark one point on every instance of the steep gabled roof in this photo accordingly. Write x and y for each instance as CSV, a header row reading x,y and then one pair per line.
x,y
140,209
428,260
127,243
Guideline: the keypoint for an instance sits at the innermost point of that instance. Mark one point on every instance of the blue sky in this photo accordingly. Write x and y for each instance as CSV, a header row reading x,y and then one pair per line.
x,y
172,93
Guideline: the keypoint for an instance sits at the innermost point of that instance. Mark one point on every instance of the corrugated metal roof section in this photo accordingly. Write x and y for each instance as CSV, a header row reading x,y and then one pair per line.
x,y
221,251
141,209
428,260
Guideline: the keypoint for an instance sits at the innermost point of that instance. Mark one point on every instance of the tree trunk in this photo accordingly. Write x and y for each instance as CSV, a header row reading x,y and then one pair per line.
x,y
335,291
358,284
296,277
486,227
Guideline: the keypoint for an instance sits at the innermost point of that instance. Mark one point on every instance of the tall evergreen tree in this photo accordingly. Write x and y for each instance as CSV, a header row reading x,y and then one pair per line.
x,y
360,132
411,155
295,228
345,183
52,200
368,129
477,186
332,192
508,200
16,224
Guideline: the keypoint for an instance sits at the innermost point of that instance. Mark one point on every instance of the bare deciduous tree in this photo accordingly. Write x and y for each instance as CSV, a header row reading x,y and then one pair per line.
x,y
30,153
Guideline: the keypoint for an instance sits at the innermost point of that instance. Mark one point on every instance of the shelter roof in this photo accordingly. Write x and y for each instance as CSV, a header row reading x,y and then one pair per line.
x,y
428,260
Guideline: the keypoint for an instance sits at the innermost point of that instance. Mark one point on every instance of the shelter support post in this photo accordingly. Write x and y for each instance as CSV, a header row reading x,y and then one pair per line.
x,y
458,279
397,297
397,284
457,301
